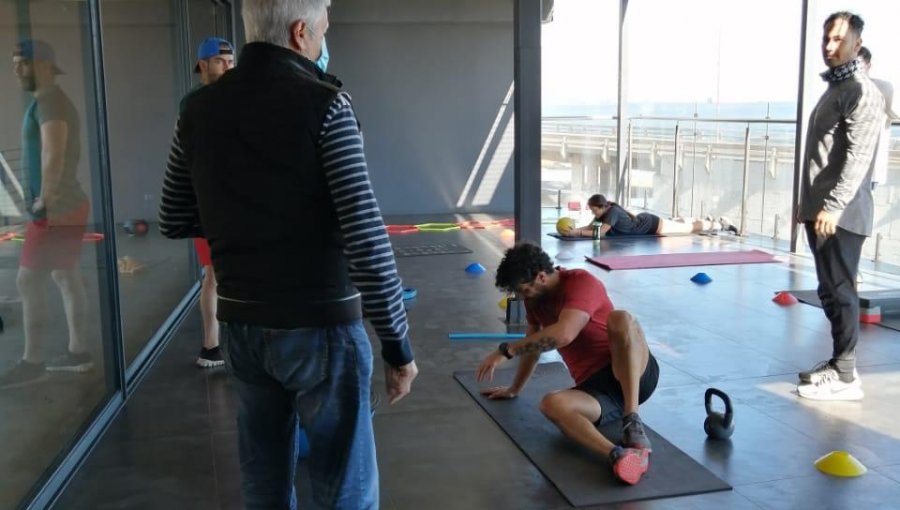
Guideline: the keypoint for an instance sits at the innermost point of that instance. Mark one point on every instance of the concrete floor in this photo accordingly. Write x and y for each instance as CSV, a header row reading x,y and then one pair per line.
x,y
174,445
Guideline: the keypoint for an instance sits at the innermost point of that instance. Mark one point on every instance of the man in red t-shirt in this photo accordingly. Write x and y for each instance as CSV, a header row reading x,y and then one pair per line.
x,y
604,349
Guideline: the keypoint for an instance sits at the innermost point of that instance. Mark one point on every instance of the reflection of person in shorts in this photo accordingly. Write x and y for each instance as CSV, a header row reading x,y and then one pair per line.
x,y
605,351
58,210
215,57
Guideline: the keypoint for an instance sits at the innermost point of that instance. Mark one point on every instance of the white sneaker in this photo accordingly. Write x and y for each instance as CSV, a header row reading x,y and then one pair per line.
x,y
817,372
830,387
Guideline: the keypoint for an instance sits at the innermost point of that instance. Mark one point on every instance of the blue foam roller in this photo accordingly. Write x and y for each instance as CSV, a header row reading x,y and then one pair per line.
x,y
485,336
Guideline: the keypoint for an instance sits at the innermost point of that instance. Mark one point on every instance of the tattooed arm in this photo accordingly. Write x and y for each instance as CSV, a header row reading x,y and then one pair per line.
x,y
527,363
560,334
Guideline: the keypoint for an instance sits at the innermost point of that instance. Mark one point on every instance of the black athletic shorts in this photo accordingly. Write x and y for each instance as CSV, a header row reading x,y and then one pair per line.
x,y
604,387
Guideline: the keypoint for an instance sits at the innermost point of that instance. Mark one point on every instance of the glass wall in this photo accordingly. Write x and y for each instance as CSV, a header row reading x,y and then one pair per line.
x,y
712,100
64,338
579,52
146,73
57,361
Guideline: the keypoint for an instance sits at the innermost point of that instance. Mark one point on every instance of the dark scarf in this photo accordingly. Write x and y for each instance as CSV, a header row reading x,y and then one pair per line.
x,y
842,72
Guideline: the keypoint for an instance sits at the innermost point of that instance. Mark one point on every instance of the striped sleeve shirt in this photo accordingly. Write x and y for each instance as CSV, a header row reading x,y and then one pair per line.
x,y
178,214
367,247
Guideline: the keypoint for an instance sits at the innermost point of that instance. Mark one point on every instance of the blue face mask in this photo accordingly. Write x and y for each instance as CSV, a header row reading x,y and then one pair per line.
x,y
322,62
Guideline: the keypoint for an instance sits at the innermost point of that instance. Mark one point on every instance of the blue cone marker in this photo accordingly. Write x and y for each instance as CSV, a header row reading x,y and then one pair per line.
x,y
475,268
701,278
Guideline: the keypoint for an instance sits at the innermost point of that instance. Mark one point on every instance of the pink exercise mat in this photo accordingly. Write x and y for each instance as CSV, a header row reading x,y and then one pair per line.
x,y
682,259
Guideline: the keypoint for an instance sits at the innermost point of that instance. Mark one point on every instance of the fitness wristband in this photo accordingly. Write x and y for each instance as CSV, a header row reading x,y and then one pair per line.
x,y
504,350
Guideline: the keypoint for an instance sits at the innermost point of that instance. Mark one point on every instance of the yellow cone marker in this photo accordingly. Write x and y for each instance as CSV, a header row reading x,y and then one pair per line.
x,y
840,463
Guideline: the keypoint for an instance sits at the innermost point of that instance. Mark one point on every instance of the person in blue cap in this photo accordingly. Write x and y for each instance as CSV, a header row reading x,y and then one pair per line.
x,y
215,57
57,210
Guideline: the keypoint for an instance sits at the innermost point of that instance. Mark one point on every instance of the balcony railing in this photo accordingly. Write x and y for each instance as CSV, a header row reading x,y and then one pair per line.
x,y
687,166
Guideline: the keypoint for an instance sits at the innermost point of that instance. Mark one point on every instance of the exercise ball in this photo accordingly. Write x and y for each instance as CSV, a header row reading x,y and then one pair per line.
x,y
564,225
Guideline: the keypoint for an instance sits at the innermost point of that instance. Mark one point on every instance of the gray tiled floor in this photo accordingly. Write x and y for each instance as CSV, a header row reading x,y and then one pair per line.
x,y
174,445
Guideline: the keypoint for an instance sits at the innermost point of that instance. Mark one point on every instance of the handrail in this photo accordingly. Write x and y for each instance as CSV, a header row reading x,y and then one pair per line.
x,y
578,117
895,123
729,120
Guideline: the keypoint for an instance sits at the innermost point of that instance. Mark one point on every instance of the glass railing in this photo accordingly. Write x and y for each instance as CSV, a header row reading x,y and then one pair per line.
x,y
694,167
578,159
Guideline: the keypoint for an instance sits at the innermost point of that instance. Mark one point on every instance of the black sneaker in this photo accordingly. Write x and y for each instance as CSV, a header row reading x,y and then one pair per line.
x,y
80,362
728,226
633,434
23,374
821,371
209,358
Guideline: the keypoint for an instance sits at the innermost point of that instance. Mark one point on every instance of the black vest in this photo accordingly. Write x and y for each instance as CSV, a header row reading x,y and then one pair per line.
x,y
251,140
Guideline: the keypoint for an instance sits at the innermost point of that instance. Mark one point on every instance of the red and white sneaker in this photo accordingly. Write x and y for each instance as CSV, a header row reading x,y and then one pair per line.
x,y
629,464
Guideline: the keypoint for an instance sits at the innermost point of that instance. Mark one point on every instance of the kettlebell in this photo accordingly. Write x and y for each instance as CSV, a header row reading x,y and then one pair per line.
x,y
718,425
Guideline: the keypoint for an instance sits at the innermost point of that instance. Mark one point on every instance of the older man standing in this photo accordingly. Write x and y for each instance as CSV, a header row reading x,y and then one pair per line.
x,y
267,164
836,204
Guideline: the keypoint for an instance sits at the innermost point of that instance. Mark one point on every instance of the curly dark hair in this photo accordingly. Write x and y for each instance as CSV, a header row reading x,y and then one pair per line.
x,y
521,264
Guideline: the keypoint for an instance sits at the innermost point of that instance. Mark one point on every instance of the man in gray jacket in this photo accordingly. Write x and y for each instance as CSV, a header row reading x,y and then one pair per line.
x,y
836,205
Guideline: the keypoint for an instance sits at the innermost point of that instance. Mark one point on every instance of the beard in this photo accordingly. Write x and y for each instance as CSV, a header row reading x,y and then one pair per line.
x,y
28,84
212,78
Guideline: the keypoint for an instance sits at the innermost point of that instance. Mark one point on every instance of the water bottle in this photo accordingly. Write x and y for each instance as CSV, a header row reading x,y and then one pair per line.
x,y
595,230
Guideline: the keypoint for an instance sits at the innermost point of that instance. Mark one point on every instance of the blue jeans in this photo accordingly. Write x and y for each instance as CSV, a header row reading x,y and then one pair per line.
x,y
322,377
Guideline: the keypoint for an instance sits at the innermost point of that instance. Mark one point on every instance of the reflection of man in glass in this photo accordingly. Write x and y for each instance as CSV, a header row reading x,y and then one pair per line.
x,y
58,210
215,57
836,204
879,176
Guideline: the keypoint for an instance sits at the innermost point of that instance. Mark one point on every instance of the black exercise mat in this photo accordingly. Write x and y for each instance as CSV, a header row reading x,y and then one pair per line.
x,y
889,319
626,236
583,478
604,238
430,249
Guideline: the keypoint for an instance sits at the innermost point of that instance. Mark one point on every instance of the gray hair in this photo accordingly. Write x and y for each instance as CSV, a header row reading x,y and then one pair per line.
x,y
270,20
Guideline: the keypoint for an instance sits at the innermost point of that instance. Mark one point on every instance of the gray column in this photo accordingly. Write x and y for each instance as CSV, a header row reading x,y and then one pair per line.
x,y
528,119
622,110
800,139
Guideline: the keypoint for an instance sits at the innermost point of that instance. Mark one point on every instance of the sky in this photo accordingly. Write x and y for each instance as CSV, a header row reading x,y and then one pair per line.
x,y
699,50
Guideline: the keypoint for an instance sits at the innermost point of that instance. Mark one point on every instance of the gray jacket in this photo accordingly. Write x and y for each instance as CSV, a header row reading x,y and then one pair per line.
x,y
840,149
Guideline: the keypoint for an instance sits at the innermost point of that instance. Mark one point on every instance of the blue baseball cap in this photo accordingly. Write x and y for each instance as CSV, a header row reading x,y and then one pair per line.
x,y
35,49
211,47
